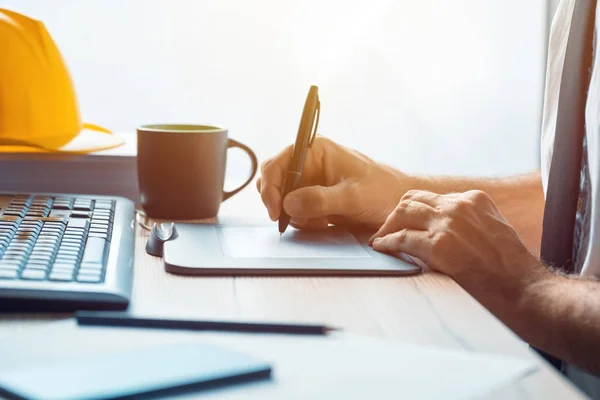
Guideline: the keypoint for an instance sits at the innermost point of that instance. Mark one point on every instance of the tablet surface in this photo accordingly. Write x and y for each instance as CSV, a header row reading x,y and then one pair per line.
x,y
258,249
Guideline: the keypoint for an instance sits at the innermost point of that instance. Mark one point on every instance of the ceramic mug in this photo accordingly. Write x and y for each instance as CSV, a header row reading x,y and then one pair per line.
x,y
181,169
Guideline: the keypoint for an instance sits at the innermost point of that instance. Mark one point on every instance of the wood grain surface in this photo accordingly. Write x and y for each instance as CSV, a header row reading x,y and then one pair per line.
x,y
426,309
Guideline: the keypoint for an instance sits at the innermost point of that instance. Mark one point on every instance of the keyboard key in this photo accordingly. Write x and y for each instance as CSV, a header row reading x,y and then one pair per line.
x,y
56,231
50,235
73,239
40,267
14,258
28,226
34,208
66,252
11,260
12,214
91,266
95,250
10,267
103,205
82,205
69,249
63,266
61,276
75,231
39,261
44,246
33,274
99,212
71,243
55,222
18,246
30,238
98,235
61,206
78,223
8,274
47,241
60,213
41,250
30,241
89,278
67,258
31,222
41,257
15,252
81,214
99,230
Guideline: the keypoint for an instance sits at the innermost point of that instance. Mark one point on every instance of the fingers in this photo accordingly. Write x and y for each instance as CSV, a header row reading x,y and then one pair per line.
x,y
316,202
411,242
270,183
409,214
309,223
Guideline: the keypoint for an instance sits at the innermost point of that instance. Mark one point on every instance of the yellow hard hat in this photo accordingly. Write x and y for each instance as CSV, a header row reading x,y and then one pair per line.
x,y
38,103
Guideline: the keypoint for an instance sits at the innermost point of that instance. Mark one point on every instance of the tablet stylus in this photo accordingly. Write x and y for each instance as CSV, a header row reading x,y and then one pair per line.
x,y
123,319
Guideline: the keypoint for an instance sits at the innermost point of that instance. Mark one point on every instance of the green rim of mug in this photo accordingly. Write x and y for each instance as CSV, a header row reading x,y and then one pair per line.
x,y
181,128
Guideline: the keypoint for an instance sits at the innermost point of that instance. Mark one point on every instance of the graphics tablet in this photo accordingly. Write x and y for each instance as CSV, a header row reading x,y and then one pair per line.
x,y
258,249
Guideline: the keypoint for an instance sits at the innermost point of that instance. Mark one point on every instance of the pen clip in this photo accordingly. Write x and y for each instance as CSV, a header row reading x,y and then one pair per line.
x,y
316,125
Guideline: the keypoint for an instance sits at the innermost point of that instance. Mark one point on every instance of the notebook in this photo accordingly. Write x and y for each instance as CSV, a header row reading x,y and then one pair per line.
x,y
156,370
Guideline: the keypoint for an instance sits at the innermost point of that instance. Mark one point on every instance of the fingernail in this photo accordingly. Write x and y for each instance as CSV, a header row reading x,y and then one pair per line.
x,y
292,204
376,241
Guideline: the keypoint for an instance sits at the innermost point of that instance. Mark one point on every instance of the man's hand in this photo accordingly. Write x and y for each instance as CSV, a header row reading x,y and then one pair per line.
x,y
339,186
465,236
462,235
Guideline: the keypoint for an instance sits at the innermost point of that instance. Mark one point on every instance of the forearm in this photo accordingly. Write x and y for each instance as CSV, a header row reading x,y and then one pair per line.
x,y
562,317
520,199
558,314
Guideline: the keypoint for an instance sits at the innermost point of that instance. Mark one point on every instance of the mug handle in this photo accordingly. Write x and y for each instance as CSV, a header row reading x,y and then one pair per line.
x,y
234,143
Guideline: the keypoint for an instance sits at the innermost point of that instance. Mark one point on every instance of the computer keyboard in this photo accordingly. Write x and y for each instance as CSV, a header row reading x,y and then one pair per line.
x,y
65,252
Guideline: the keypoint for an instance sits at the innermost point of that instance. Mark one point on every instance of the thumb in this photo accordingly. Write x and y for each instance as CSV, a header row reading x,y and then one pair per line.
x,y
315,202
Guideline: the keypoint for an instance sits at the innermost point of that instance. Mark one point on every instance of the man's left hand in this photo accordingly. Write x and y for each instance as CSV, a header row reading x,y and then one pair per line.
x,y
462,235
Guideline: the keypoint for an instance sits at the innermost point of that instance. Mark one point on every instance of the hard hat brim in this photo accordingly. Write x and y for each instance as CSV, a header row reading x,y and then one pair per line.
x,y
89,140
92,140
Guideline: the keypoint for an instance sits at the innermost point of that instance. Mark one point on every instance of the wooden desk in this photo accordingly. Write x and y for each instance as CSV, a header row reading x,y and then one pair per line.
x,y
428,309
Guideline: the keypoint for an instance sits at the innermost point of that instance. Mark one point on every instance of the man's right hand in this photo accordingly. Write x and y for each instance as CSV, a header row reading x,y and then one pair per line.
x,y
339,186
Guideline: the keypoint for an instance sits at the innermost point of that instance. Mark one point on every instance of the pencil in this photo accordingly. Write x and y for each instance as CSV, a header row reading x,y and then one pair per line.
x,y
125,320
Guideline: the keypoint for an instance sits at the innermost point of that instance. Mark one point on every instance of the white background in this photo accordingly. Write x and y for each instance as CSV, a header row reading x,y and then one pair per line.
x,y
429,86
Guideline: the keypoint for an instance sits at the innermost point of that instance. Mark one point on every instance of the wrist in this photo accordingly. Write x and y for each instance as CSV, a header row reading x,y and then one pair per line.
x,y
508,289
398,186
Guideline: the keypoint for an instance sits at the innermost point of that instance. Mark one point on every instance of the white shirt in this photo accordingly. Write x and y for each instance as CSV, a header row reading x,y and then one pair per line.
x,y
559,35
557,47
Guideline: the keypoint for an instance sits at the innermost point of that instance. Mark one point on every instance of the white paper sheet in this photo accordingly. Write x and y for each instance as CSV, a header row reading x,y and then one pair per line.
x,y
342,366
266,242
